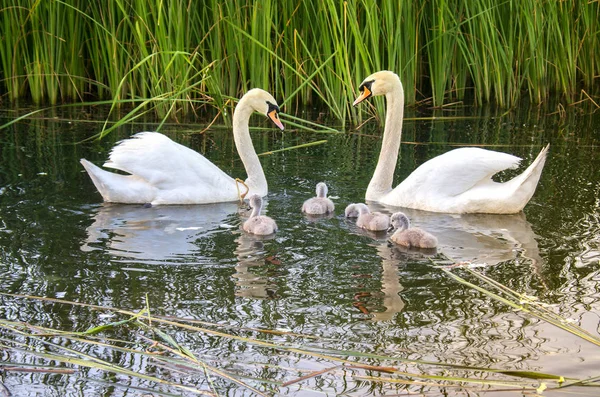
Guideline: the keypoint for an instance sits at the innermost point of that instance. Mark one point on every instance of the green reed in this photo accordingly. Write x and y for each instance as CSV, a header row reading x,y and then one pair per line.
x,y
303,52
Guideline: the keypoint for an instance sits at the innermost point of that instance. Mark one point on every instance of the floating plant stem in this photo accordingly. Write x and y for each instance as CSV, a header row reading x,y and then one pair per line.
x,y
520,302
294,147
182,354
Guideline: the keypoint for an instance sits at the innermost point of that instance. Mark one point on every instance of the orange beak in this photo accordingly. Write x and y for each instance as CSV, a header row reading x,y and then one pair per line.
x,y
365,93
275,119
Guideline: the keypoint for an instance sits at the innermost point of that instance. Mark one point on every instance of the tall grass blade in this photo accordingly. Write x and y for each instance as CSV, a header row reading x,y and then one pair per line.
x,y
310,53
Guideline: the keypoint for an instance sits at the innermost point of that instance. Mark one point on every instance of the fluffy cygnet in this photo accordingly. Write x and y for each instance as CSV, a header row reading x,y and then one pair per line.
x,y
320,204
410,237
374,221
257,223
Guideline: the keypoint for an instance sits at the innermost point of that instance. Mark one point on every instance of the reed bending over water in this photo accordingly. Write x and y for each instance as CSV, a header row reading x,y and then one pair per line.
x,y
162,53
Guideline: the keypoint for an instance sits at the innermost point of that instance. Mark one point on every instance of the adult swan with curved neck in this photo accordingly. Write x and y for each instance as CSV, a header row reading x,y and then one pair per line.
x,y
165,172
459,181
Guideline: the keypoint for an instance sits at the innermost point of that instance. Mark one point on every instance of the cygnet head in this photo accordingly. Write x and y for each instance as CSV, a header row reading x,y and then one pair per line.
x,y
400,221
379,83
321,190
351,211
255,202
261,101
354,210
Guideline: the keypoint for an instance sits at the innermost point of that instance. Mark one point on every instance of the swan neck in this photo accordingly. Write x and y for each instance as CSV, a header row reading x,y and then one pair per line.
x,y
383,177
256,181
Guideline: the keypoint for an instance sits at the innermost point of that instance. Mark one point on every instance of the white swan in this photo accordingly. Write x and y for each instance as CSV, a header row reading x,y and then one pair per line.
x,y
257,223
165,172
410,236
374,221
458,181
320,204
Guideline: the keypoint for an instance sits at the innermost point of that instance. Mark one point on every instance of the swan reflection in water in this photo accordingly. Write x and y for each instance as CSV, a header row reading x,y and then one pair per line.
x,y
159,234
390,283
251,255
476,238
174,234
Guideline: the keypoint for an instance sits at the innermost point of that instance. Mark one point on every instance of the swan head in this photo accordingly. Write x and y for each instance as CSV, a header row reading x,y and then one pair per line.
x,y
400,221
262,102
379,83
321,189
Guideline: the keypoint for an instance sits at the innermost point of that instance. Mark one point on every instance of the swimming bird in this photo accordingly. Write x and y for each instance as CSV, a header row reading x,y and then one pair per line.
x,y
165,172
257,223
374,221
410,236
320,204
459,181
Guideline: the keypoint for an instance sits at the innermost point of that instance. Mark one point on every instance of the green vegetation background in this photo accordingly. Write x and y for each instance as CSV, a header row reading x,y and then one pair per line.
x,y
173,57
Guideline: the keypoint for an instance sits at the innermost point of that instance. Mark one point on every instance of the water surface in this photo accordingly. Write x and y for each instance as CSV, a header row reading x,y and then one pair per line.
x,y
319,277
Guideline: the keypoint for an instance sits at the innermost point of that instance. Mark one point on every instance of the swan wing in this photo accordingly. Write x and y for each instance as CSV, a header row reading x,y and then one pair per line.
x,y
456,171
165,164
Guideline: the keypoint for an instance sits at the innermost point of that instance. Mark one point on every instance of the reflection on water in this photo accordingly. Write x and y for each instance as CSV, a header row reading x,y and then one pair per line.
x,y
478,238
160,234
322,276
390,283
250,253
589,252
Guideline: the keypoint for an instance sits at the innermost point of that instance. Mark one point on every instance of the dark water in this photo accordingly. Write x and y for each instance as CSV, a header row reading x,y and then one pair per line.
x,y
323,278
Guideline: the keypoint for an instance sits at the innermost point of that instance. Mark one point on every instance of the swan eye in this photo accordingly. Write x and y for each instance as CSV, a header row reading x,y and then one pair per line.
x,y
366,85
272,107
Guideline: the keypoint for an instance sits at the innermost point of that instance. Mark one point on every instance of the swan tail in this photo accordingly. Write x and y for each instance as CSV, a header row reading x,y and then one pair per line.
x,y
118,188
526,183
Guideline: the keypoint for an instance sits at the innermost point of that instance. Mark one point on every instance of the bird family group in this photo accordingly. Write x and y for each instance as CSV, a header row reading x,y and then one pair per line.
x,y
161,171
